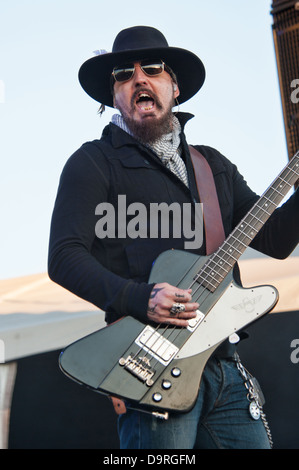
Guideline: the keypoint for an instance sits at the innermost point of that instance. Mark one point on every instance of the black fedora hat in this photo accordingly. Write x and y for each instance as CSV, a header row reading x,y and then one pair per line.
x,y
136,43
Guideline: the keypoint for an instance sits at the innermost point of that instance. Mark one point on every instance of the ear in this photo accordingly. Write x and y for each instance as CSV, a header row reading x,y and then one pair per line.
x,y
176,90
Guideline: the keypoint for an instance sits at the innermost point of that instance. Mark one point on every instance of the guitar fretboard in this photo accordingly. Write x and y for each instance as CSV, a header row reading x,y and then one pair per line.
x,y
223,260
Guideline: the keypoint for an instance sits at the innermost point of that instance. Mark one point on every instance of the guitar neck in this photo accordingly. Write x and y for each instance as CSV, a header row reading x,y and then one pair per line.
x,y
223,260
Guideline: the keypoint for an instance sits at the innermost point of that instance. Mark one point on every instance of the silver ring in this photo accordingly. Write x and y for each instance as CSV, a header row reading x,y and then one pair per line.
x,y
176,309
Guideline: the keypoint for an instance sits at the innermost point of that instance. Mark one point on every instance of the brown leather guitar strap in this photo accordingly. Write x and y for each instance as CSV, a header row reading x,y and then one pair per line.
x,y
214,230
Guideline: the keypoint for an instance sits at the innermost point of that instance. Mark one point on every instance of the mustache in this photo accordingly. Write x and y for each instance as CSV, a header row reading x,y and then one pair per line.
x,y
151,94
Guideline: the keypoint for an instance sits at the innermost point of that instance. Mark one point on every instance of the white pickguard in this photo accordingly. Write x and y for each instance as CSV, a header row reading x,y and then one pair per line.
x,y
235,309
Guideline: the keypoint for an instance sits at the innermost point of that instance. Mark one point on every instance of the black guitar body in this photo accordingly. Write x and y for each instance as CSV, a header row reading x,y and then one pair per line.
x,y
170,380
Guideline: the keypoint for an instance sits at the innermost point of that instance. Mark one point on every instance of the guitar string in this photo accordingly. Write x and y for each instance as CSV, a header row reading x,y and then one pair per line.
x,y
255,219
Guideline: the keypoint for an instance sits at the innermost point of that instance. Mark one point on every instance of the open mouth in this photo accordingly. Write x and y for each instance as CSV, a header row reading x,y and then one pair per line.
x,y
145,101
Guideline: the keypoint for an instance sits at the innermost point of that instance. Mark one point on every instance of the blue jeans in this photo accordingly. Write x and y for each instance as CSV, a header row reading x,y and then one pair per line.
x,y
220,418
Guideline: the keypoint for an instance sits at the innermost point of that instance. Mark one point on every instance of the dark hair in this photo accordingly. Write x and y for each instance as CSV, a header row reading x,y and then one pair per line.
x,y
171,73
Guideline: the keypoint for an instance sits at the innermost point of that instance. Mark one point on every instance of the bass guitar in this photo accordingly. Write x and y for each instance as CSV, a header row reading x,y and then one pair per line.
x,y
159,368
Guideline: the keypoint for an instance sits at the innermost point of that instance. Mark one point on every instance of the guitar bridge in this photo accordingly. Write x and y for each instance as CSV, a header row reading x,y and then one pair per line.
x,y
139,367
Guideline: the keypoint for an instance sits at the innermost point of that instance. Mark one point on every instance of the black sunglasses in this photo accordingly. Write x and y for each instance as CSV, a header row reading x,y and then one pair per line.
x,y
149,67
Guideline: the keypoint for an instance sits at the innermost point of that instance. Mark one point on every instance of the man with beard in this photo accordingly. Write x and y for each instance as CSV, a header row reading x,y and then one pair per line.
x,y
143,154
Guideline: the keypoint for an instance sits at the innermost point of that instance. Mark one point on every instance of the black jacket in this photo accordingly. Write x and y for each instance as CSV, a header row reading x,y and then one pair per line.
x,y
112,272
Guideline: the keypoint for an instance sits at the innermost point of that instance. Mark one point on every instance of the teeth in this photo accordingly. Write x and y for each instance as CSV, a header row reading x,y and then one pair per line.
x,y
144,95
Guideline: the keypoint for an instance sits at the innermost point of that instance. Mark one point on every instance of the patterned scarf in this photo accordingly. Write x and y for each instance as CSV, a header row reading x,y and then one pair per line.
x,y
167,148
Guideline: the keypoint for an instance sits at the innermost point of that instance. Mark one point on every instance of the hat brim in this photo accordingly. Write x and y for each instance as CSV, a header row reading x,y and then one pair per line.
x,y
95,73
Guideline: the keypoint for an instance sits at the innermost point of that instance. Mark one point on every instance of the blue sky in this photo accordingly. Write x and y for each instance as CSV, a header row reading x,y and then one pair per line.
x,y
45,115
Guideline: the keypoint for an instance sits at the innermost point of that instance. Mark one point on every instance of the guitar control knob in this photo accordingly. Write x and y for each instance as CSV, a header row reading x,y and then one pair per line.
x,y
176,372
157,397
166,384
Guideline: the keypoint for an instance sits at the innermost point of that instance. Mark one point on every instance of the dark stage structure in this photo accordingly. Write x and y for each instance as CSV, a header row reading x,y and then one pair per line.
x,y
286,42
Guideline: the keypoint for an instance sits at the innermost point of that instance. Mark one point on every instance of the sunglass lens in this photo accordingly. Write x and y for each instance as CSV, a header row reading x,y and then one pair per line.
x,y
152,67
149,67
122,74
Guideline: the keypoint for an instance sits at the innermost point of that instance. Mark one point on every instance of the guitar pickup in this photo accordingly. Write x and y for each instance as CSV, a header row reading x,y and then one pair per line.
x,y
156,345
139,367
